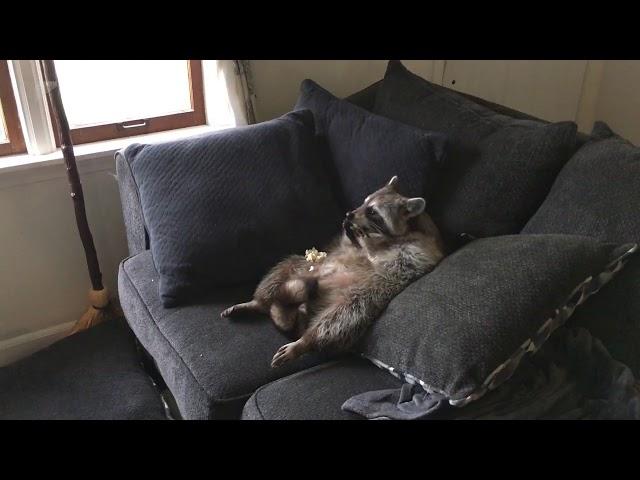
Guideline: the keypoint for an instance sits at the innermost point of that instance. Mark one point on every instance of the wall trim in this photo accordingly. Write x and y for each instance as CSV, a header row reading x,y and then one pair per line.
x,y
587,105
439,67
15,348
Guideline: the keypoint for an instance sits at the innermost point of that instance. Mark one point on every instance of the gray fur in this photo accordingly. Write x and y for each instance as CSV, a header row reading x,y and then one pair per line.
x,y
392,243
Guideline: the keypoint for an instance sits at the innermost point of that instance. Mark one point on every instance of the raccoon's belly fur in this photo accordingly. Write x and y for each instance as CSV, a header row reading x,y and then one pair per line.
x,y
340,271
337,278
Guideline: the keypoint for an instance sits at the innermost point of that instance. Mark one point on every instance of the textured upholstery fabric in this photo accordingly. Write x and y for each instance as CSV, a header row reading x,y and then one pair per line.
x,y
92,375
498,170
137,238
571,377
367,149
223,208
557,382
204,401
211,365
317,393
595,194
365,98
598,193
613,316
452,328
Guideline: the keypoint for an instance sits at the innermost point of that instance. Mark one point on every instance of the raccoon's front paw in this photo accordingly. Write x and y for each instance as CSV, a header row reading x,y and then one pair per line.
x,y
285,354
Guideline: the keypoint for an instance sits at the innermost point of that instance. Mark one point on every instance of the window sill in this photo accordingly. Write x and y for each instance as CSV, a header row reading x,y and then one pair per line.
x,y
90,157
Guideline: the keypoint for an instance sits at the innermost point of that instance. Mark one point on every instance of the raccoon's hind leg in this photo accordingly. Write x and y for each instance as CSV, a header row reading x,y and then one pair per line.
x,y
298,290
336,328
253,306
287,318
339,326
289,309
268,288
271,284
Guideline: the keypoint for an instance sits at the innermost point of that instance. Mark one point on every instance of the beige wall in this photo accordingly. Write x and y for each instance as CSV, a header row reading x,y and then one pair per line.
x,y
43,273
277,82
618,101
547,89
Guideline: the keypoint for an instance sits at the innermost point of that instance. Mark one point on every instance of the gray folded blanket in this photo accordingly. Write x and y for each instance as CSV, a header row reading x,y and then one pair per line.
x,y
572,376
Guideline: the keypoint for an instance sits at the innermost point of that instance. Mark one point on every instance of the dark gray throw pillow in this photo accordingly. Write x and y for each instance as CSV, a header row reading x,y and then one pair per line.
x,y
224,207
462,329
499,169
597,193
367,149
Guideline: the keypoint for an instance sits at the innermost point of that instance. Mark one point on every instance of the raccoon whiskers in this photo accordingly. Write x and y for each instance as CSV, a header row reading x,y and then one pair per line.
x,y
377,229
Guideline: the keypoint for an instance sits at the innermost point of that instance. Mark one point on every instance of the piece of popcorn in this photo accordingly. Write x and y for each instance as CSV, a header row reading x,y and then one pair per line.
x,y
314,255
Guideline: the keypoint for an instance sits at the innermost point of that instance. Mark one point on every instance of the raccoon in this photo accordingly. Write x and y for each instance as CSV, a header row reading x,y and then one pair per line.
x,y
386,243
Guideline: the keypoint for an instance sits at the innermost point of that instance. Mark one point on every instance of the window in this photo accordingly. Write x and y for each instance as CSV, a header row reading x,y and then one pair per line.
x,y
11,139
106,99
112,99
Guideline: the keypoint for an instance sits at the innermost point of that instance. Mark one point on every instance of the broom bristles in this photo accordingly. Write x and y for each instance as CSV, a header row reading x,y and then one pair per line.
x,y
100,310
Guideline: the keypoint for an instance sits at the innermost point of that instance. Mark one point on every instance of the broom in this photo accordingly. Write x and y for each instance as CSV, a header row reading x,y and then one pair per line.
x,y
100,307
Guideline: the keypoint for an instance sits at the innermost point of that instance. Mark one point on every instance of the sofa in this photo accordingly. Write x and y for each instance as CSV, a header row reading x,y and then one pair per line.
x,y
216,369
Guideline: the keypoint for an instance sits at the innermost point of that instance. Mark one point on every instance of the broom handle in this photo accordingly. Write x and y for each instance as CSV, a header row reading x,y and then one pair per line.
x,y
62,126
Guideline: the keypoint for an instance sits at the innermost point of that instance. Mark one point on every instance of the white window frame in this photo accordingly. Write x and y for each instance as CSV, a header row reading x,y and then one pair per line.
x,y
31,100
35,118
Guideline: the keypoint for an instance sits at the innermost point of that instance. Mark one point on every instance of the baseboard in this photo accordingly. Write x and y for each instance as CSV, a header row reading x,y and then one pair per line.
x,y
16,348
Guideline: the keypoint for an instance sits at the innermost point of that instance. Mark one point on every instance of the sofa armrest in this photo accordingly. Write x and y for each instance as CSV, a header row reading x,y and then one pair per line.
x,y
137,238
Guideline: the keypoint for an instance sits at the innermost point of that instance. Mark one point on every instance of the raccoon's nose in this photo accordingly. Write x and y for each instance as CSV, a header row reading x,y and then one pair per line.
x,y
349,215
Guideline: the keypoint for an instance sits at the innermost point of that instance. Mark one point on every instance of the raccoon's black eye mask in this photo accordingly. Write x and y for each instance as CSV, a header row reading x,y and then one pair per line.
x,y
378,223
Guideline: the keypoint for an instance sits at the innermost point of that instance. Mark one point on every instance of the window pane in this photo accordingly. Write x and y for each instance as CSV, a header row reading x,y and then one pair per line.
x,y
110,91
3,128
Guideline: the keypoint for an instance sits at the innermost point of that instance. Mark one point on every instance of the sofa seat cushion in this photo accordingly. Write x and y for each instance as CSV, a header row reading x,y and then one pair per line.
x,y
211,365
317,393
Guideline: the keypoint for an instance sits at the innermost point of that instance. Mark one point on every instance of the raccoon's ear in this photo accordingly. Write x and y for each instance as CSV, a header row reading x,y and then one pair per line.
x,y
415,206
393,182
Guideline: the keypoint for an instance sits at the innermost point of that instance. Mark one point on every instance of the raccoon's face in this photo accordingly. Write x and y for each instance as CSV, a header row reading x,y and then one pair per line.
x,y
385,213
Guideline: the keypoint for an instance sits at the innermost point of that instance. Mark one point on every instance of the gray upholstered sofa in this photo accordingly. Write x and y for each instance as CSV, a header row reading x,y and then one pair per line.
x,y
217,369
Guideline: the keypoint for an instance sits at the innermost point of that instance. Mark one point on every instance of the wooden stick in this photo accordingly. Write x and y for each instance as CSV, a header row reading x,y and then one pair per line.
x,y
62,126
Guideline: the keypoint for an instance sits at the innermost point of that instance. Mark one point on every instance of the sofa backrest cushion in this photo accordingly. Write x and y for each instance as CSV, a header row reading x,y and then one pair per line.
x,y
367,149
462,329
365,98
499,169
597,193
222,208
